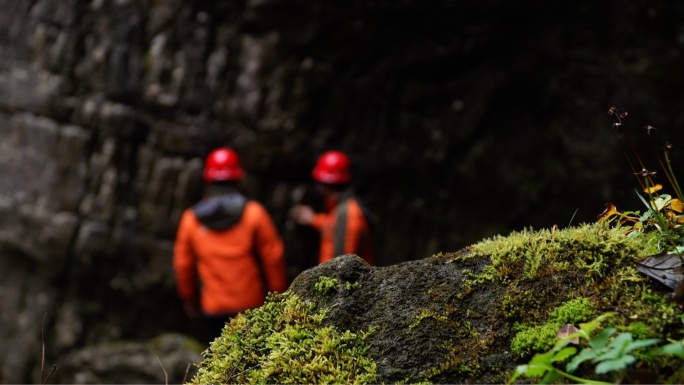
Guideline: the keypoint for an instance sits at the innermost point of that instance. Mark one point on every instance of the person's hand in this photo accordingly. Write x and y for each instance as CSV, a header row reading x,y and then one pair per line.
x,y
191,309
302,214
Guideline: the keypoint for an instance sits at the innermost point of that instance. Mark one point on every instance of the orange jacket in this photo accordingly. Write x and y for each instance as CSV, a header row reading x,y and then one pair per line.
x,y
217,243
344,230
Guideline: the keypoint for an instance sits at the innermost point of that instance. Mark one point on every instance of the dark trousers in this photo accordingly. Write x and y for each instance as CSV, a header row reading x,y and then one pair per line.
x,y
213,326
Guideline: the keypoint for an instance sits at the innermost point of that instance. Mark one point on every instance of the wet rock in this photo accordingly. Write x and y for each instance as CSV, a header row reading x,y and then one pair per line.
x,y
167,359
414,312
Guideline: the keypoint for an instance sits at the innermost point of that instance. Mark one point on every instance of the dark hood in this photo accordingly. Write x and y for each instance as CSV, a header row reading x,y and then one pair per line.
x,y
220,212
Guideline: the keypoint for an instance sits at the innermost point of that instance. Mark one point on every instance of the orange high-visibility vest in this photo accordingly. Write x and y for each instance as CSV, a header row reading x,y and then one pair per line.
x,y
225,261
344,230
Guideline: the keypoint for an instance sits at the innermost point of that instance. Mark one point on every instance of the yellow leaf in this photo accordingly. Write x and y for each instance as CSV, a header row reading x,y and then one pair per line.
x,y
652,189
608,212
677,205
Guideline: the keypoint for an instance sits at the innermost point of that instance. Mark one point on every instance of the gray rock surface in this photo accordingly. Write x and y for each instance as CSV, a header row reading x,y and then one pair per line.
x,y
167,359
416,320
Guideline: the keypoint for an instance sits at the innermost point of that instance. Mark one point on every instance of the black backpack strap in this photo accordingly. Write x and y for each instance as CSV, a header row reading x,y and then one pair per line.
x,y
340,232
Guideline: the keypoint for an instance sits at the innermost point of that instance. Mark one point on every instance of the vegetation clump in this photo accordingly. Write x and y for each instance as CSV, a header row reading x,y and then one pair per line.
x,y
554,279
592,250
326,285
492,306
540,337
285,342
610,353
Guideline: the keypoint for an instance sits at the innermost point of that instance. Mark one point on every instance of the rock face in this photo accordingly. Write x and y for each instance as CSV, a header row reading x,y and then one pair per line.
x,y
491,112
408,306
472,316
166,359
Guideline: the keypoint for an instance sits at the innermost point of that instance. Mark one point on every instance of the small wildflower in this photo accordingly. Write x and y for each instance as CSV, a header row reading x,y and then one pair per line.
x,y
644,173
608,212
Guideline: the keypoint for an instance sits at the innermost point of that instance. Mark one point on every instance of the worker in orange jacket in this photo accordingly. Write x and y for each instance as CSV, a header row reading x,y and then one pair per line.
x,y
344,227
227,252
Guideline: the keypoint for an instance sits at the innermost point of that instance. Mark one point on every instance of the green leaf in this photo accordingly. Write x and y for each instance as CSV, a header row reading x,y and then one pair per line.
x,y
646,215
564,354
592,325
584,355
536,370
542,358
638,344
621,340
519,371
616,348
643,200
550,377
616,364
602,338
673,349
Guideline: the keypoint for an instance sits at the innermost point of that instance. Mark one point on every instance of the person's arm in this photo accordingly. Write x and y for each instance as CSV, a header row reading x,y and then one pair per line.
x,y
184,264
270,249
305,215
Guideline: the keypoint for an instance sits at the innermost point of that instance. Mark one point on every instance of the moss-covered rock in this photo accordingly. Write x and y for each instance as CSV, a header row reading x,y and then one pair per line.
x,y
285,342
466,317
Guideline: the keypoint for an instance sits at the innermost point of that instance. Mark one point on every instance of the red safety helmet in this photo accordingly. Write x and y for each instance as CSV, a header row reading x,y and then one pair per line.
x,y
223,164
333,167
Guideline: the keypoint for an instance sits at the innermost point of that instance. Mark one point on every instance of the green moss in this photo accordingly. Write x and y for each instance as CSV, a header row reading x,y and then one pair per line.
x,y
537,337
540,337
639,330
326,285
285,341
567,276
428,314
595,249
574,311
517,304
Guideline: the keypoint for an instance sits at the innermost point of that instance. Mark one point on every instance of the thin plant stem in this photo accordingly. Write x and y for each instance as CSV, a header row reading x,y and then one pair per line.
x,y
166,375
672,179
187,370
42,342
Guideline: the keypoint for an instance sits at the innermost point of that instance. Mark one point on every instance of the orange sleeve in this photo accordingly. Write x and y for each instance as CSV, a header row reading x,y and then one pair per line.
x,y
319,220
184,260
270,249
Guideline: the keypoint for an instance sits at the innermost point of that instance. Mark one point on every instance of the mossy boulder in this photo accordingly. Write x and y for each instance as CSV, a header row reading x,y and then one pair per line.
x,y
470,316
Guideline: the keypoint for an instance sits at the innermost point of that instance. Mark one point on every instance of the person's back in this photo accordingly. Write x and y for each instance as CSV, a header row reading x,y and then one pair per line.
x,y
227,253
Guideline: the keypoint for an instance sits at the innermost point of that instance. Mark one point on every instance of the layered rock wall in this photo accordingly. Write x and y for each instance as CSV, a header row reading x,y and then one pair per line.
x,y
463,119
